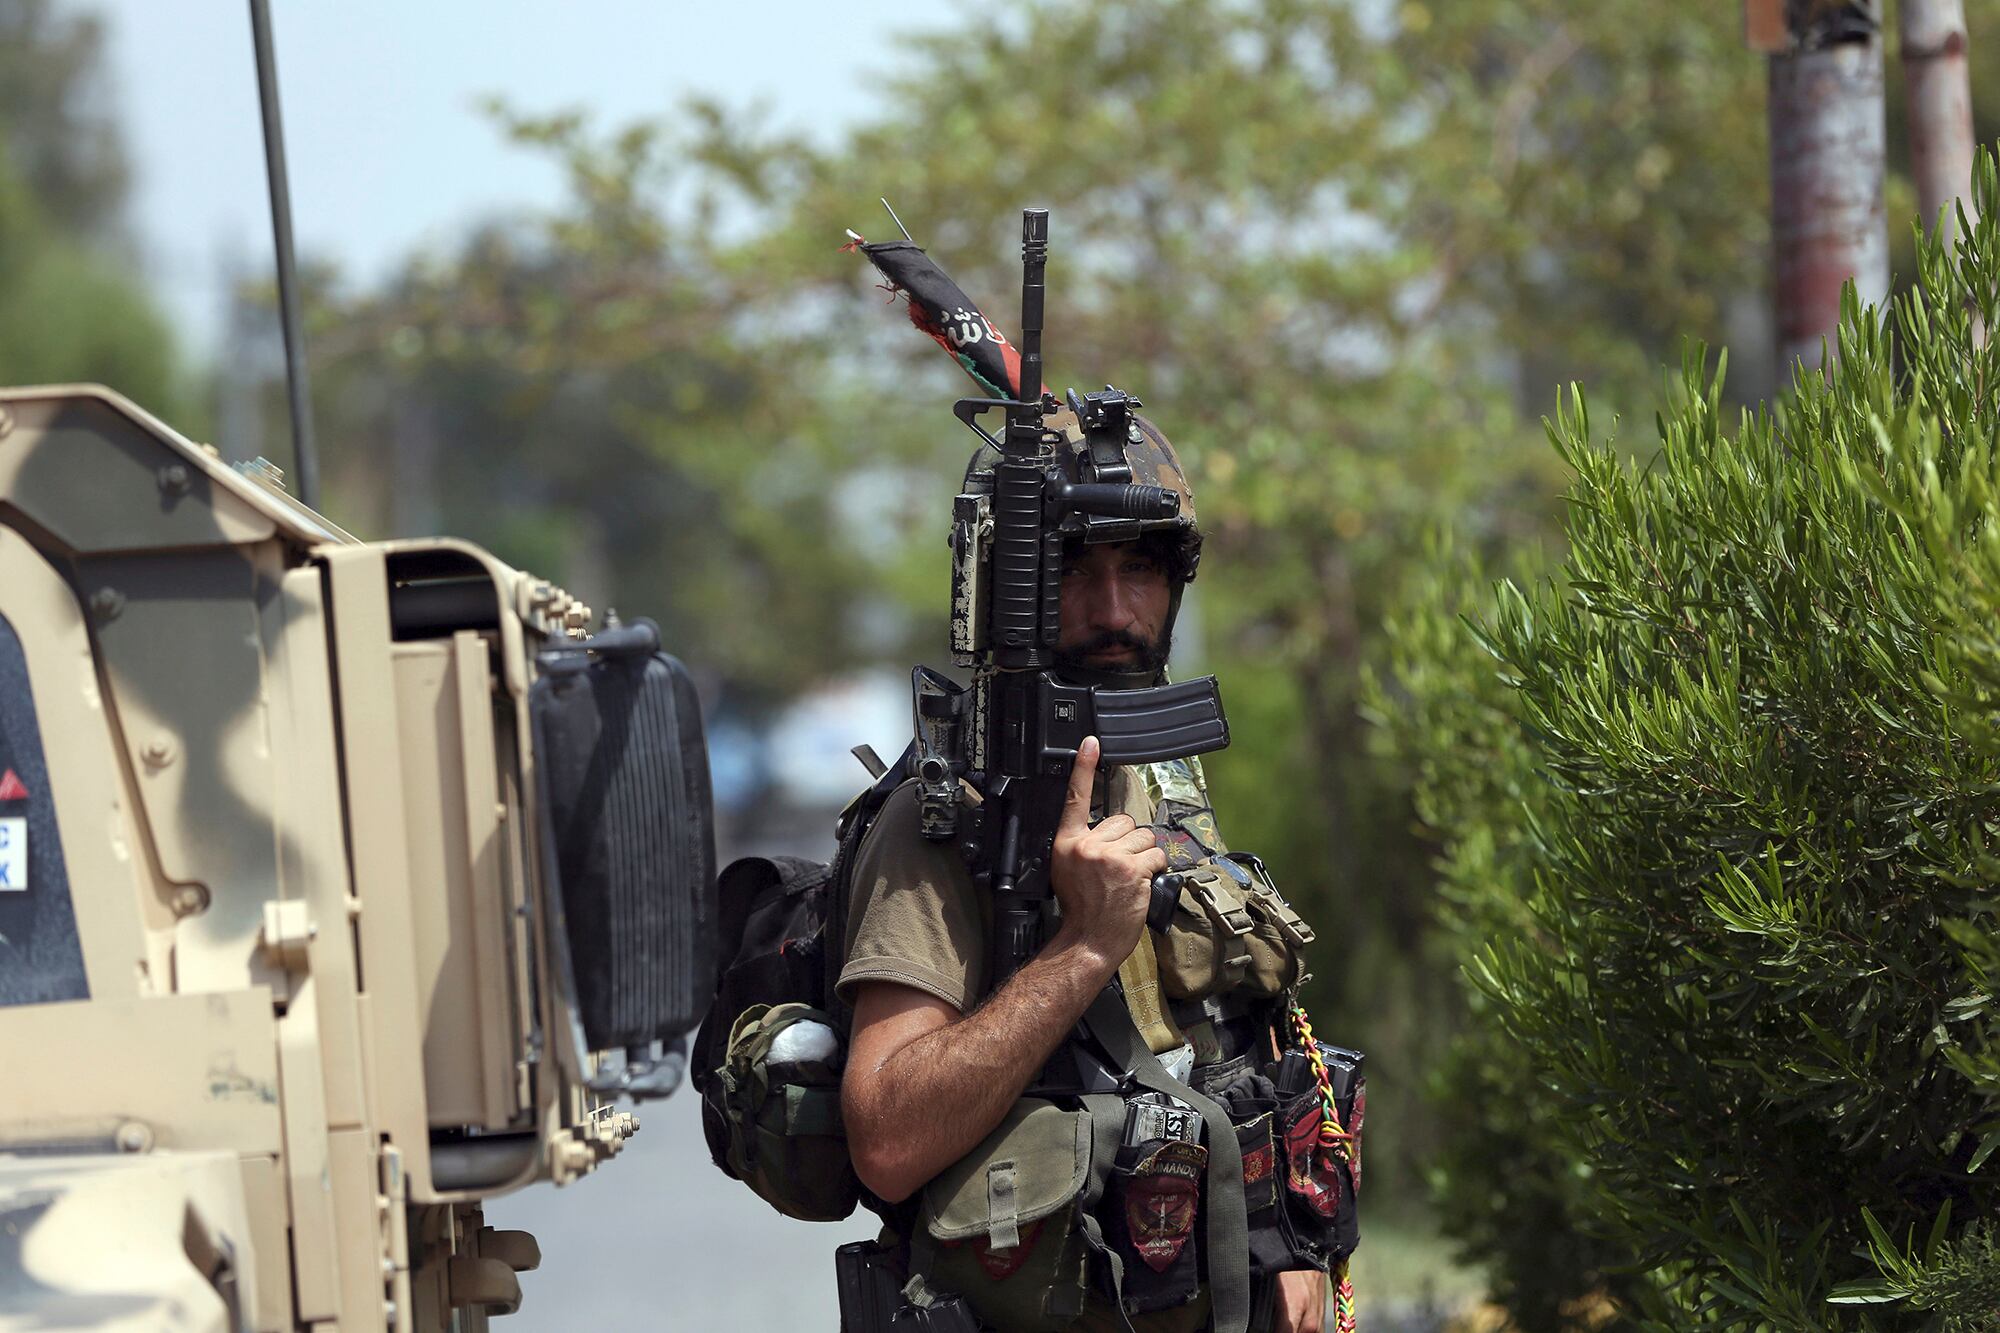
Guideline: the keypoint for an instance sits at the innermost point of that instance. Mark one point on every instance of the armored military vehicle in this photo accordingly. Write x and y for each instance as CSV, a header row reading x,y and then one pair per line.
x,y
343,885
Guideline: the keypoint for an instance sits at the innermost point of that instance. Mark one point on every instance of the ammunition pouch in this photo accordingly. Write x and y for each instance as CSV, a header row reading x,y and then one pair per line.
x,y
1299,1195
1151,1203
1207,947
780,1119
1278,935
1319,1187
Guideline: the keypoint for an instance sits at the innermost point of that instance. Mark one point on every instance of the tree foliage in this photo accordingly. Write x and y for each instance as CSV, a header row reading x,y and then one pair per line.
x,y
1726,874
56,120
75,311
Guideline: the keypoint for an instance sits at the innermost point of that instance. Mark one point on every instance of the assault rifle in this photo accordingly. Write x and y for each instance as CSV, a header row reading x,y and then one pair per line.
x,y
1013,735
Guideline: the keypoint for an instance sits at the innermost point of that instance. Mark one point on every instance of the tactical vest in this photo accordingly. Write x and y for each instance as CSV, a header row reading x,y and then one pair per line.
x,y
1123,1175
1087,1196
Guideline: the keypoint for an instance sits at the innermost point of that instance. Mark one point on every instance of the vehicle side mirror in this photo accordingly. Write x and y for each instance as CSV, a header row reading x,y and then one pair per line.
x,y
628,843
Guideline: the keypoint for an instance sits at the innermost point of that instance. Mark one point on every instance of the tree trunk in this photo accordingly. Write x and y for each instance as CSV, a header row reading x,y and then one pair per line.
x,y
1940,98
1827,218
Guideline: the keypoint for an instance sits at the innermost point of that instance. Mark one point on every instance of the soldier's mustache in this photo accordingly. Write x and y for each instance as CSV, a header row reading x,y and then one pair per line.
x,y
1149,654
1110,640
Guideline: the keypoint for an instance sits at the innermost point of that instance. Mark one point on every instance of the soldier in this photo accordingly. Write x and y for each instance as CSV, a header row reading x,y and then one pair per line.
x,y
937,1066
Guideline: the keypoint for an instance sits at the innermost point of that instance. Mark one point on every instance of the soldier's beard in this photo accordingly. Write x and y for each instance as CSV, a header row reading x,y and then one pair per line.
x,y
1149,655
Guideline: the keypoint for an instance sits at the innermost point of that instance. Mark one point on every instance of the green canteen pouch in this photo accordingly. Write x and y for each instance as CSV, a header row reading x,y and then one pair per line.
x,y
1002,1220
1278,935
784,1135
1207,943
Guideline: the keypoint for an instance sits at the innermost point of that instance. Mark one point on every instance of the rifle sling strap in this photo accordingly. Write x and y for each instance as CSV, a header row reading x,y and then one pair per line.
x,y
1228,1237
1107,1131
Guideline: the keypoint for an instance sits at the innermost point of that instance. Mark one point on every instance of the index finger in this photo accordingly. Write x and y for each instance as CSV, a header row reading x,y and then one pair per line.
x,y
1082,773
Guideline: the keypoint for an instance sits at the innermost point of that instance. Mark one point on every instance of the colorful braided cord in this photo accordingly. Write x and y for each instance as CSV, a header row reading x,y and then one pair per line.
x,y
1331,1135
1337,1140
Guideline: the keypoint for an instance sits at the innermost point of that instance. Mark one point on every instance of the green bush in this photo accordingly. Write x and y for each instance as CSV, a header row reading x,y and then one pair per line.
x,y
1719,841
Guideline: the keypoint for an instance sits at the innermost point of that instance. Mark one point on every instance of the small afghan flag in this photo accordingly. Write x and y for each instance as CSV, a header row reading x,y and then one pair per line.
x,y
941,308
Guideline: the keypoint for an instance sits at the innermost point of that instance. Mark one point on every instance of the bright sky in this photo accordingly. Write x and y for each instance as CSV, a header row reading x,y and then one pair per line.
x,y
386,149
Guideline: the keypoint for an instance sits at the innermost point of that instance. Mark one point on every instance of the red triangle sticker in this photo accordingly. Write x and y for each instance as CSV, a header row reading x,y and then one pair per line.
x,y
12,788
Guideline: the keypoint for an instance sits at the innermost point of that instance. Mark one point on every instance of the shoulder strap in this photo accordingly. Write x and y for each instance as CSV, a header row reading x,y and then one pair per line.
x,y
1139,978
855,821
1228,1237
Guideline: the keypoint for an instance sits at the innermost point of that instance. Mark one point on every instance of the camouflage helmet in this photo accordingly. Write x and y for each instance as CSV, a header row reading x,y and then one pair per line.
x,y
1110,443
1151,457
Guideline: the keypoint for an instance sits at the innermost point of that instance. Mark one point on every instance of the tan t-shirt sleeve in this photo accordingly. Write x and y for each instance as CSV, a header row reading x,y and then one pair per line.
x,y
916,918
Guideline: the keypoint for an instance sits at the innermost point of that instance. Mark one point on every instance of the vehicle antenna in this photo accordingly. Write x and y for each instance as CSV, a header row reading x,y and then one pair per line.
x,y
304,458
899,223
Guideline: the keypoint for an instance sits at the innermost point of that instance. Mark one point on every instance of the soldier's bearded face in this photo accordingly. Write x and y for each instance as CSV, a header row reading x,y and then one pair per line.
x,y
1115,602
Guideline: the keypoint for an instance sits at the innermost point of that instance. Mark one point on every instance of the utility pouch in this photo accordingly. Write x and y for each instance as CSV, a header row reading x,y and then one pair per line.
x,y
1151,1203
1002,1222
1278,936
1206,949
781,1116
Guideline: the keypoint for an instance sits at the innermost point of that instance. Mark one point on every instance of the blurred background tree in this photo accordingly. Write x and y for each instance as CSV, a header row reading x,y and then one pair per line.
x,y
75,310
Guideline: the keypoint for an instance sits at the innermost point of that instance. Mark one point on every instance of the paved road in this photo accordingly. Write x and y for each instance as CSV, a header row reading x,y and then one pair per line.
x,y
658,1239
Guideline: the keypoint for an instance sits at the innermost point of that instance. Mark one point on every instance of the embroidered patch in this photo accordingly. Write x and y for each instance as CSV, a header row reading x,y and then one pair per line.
x,y
1005,1263
1161,1200
1183,852
1309,1177
1258,1163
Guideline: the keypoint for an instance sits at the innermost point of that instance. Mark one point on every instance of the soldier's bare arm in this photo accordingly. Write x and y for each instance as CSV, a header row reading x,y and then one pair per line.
x,y
924,1083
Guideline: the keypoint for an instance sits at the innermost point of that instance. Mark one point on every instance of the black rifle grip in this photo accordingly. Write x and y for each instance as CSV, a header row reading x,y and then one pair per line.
x,y
1166,895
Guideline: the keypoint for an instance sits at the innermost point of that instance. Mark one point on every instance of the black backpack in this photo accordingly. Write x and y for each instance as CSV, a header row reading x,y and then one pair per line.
x,y
770,1122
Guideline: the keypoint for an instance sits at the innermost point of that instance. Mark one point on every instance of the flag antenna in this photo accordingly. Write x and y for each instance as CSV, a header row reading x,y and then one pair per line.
x,y
899,223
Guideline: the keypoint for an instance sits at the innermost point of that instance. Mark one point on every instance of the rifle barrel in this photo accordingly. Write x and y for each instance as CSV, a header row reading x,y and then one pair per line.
x,y
1034,265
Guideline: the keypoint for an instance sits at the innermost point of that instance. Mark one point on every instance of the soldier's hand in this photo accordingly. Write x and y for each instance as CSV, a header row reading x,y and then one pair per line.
x,y
1102,875
1300,1304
